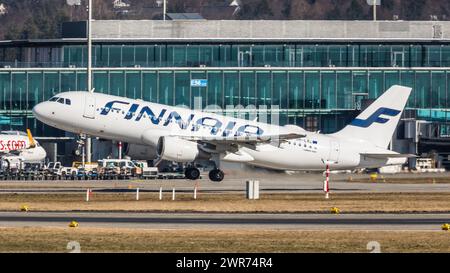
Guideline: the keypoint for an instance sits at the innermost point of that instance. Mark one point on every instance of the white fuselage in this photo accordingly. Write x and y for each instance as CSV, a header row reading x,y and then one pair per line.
x,y
128,120
19,145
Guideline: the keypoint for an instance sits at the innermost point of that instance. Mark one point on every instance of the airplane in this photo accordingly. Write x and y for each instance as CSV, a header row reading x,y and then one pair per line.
x,y
183,135
16,145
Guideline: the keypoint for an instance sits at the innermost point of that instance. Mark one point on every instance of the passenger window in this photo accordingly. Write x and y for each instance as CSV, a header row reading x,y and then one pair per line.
x,y
60,100
68,102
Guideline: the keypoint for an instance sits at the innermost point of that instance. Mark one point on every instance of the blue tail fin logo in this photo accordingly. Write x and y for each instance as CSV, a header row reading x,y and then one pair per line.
x,y
375,117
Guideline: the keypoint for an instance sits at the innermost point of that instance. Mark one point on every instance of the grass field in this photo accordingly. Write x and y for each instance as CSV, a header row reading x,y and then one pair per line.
x,y
275,203
141,240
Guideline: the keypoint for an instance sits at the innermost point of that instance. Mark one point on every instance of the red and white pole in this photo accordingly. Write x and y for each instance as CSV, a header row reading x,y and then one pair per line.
x,y
326,187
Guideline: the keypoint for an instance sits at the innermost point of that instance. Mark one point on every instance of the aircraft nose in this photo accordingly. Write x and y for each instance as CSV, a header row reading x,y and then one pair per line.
x,y
40,111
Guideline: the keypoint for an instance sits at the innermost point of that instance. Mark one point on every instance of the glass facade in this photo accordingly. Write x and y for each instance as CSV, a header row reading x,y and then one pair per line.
x,y
316,99
260,55
424,54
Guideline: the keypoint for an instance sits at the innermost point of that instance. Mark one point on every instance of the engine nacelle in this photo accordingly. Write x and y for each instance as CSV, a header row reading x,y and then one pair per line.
x,y
141,152
176,149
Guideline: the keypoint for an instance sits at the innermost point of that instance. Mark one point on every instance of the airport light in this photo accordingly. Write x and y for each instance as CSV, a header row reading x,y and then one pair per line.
x,y
89,75
164,10
374,3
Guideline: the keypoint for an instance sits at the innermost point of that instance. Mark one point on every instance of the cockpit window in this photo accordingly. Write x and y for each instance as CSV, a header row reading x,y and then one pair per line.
x,y
60,100
68,102
53,99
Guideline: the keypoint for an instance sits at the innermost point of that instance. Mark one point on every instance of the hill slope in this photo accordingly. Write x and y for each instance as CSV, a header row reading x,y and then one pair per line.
x,y
27,19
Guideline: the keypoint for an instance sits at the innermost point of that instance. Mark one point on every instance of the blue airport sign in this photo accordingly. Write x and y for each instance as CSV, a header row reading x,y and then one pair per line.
x,y
199,83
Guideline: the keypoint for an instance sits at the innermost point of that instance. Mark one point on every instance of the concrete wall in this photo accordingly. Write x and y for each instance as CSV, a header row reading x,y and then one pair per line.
x,y
260,30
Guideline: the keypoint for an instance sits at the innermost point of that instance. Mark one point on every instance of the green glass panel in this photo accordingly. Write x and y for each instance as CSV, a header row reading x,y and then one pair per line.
x,y
19,94
150,82
51,84
133,85
296,94
141,56
176,55
329,89
117,83
127,56
248,96
445,56
433,55
337,55
423,89
68,81
182,88
438,90
376,84
192,55
231,88
81,81
206,55
360,82
416,56
264,88
5,90
35,94
161,56
344,90
101,82
312,90
391,78
408,79
115,56
215,88
279,92
101,56
165,95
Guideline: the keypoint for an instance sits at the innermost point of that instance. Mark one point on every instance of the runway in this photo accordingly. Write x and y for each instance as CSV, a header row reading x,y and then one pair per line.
x,y
224,221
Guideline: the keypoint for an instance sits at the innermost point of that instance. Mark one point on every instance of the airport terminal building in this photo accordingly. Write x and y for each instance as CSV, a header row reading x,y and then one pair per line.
x,y
320,74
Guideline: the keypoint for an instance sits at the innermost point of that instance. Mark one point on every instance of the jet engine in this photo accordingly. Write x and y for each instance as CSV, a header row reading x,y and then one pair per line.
x,y
141,152
176,149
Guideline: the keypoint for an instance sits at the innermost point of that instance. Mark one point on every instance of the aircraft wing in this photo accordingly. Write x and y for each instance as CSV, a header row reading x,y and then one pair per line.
x,y
384,156
243,138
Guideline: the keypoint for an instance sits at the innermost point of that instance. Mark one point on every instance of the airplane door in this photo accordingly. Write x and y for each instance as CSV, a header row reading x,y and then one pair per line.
x,y
89,106
334,151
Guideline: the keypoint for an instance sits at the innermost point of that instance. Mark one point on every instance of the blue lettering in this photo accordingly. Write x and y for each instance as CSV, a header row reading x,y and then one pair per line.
x,y
228,129
174,115
109,105
214,128
146,110
243,130
131,112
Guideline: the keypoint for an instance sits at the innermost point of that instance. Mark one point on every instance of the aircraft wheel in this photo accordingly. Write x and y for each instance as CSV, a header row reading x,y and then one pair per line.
x,y
216,175
192,173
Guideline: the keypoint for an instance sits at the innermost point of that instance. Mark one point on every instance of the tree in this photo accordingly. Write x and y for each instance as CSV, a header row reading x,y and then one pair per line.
x,y
355,11
286,9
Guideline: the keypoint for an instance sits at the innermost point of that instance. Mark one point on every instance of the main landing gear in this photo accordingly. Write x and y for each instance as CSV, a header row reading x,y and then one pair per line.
x,y
193,173
216,175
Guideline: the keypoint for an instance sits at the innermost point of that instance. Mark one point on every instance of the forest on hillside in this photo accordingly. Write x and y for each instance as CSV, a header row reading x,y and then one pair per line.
x,y
31,19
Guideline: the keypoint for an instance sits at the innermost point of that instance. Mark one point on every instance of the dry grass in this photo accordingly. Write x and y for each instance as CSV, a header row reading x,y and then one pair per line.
x,y
275,203
141,240
389,179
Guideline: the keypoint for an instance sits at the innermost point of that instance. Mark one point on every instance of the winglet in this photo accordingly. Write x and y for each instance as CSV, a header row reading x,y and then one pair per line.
x,y
30,137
